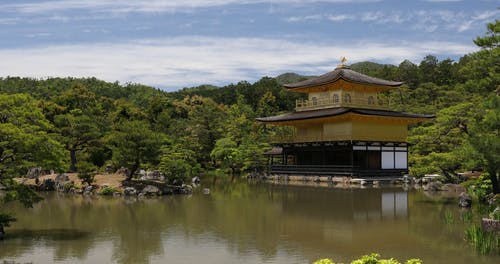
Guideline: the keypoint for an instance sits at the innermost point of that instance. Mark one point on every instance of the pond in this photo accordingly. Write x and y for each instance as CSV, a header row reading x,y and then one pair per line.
x,y
242,222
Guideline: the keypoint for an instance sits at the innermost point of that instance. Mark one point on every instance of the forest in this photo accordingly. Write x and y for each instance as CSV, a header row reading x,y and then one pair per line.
x,y
85,124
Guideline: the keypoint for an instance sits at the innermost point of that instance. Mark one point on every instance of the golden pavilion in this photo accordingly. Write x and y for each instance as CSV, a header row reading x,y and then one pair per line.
x,y
344,128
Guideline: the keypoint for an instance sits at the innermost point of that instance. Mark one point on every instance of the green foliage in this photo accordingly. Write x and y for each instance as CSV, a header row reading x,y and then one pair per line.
x,y
86,173
19,192
6,219
25,138
485,139
108,190
467,216
78,131
134,144
323,261
478,188
495,215
448,217
178,163
482,241
373,258
492,38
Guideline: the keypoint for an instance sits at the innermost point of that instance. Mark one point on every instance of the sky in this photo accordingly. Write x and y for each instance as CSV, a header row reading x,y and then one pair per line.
x,y
171,44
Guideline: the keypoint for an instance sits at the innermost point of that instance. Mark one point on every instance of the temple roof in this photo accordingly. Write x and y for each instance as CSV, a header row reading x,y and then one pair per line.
x,y
342,73
329,112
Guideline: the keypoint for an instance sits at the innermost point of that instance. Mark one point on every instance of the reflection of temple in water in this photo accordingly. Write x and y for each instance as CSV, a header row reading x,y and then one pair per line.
x,y
341,218
346,204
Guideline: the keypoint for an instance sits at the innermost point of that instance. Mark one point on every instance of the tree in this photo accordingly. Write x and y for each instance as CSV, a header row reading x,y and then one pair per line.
x,y
228,154
134,144
492,38
178,163
481,70
198,125
485,139
25,142
79,130
86,173
409,73
440,147
428,68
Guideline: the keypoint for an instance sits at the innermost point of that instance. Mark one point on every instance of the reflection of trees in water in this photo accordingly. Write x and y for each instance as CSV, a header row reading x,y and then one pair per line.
x,y
140,230
246,218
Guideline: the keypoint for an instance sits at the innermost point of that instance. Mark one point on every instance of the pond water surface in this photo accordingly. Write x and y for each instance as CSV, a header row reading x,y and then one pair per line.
x,y
241,222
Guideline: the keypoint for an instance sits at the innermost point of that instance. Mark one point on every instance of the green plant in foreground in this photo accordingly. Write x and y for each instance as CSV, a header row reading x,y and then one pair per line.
x,y
323,261
483,242
467,216
448,218
371,259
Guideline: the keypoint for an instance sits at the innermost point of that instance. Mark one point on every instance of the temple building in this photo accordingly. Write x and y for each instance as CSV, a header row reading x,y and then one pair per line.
x,y
344,128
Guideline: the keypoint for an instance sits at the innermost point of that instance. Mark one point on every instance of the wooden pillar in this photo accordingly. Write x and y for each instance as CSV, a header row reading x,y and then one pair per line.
x,y
323,155
352,154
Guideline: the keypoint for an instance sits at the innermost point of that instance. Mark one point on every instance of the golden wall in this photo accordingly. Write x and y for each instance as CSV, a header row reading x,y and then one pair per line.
x,y
347,127
352,130
379,131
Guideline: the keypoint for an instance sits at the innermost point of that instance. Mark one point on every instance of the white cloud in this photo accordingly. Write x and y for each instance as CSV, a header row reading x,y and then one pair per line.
x,y
187,61
305,18
38,35
338,18
154,6
423,20
485,15
9,21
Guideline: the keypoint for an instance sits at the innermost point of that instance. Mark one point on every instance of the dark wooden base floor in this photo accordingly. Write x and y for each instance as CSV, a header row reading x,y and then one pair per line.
x,y
344,171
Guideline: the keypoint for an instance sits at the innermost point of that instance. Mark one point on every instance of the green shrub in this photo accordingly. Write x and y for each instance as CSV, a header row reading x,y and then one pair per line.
x,y
108,190
495,214
371,259
323,261
86,173
68,186
478,188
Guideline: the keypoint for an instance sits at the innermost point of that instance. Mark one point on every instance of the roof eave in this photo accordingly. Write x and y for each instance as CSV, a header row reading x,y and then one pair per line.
x,y
388,87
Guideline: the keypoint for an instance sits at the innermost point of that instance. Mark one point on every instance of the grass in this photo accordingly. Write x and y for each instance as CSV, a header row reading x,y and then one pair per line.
x,y
449,218
483,242
467,217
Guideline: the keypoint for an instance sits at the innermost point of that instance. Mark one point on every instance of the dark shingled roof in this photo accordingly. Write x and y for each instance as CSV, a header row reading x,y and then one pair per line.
x,y
328,112
345,74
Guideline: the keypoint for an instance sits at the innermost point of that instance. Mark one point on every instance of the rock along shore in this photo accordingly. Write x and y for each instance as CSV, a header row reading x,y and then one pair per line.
x,y
104,184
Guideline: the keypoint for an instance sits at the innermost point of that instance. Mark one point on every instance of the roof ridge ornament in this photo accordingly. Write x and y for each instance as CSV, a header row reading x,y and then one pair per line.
x,y
342,64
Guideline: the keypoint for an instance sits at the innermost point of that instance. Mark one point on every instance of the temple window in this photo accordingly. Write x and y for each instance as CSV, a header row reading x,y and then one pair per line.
x,y
335,98
371,100
347,98
314,100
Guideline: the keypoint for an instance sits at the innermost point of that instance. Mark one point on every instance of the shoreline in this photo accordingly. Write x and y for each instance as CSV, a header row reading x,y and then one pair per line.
x,y
104,184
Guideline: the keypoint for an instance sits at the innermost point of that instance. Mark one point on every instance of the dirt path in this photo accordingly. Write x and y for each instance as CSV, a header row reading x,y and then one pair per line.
x,y
113,180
